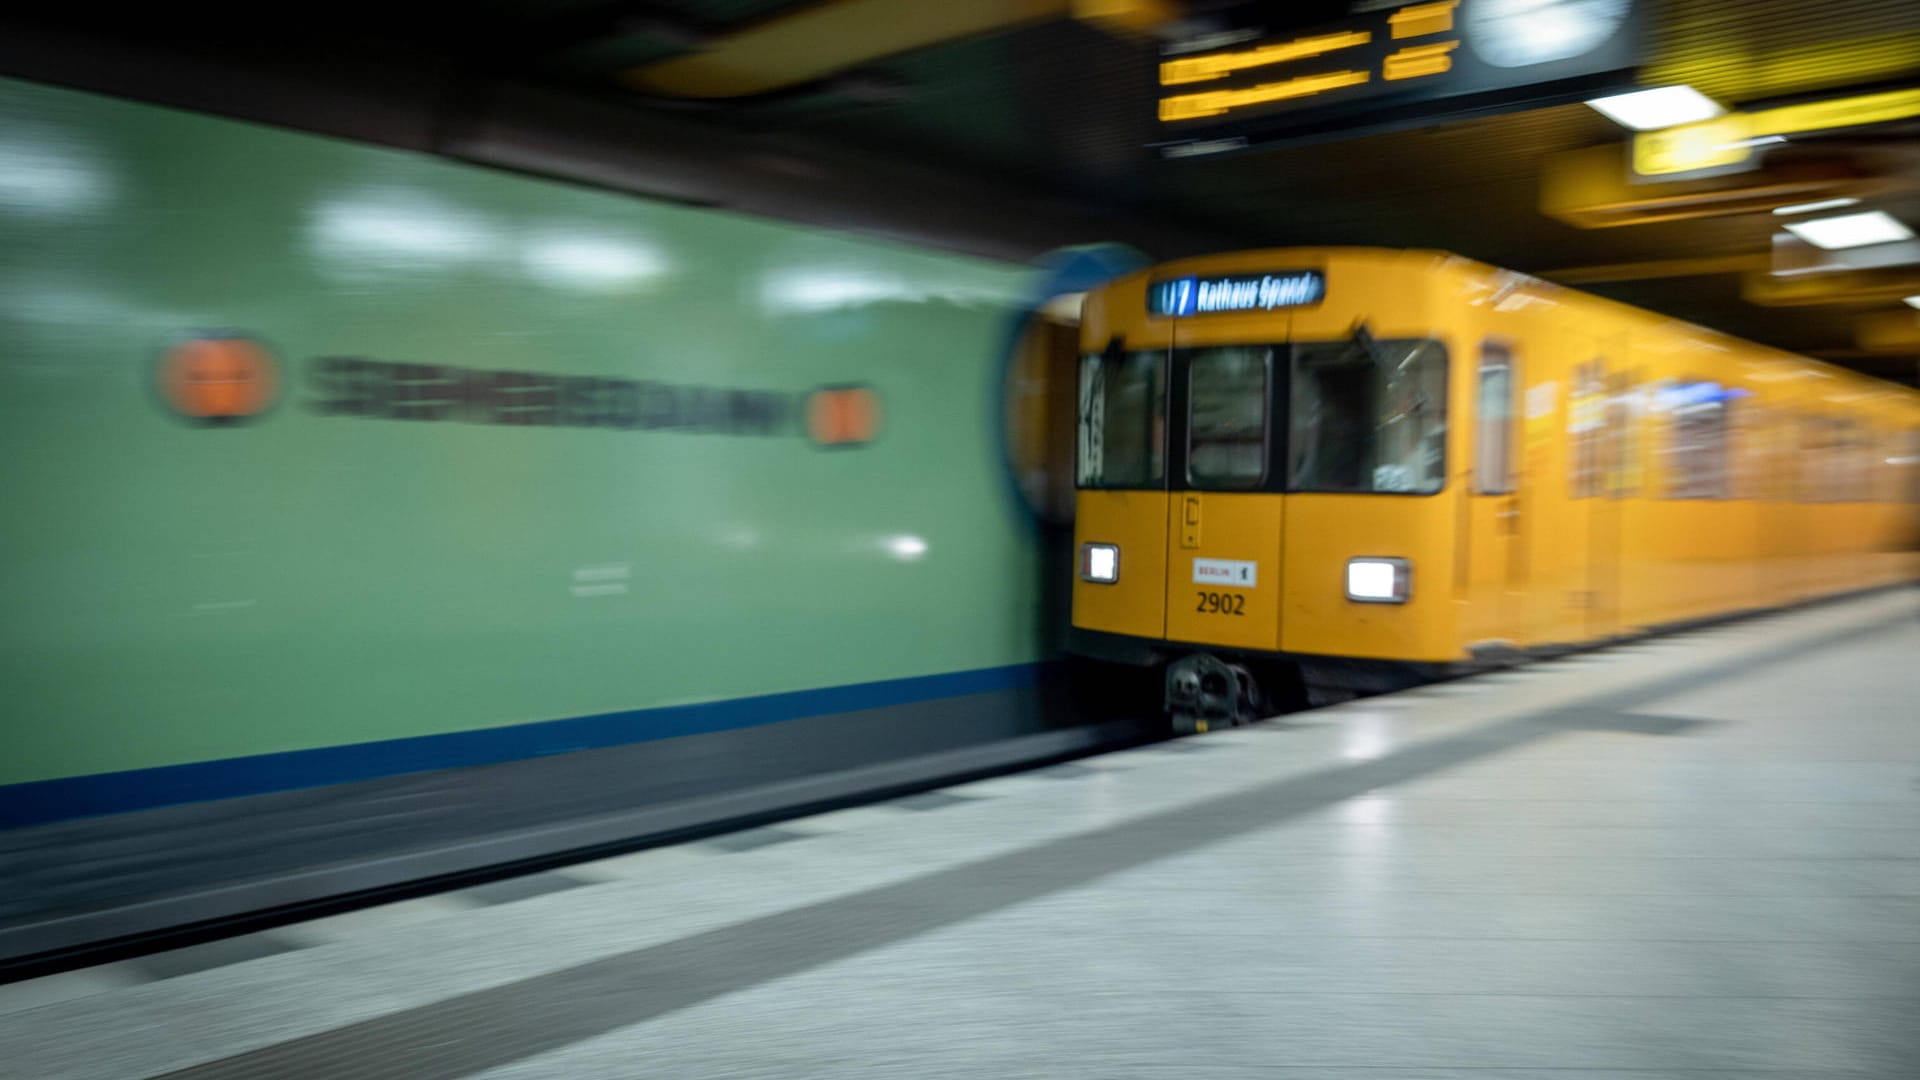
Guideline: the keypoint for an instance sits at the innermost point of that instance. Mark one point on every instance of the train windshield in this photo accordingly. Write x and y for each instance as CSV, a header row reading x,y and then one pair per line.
x,y
1368,416
1123,417
1227,417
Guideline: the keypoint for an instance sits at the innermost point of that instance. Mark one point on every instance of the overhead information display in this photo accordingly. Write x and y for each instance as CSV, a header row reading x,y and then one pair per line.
x,y
1398,65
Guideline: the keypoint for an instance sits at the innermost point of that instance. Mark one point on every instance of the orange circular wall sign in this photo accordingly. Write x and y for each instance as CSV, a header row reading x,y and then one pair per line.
x,y
218,380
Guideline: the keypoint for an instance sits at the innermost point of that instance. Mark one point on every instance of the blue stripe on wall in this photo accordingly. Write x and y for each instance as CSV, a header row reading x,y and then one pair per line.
x,y
43,801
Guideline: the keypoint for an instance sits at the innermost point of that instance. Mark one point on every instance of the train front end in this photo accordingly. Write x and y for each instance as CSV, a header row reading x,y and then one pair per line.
x,y
1262,440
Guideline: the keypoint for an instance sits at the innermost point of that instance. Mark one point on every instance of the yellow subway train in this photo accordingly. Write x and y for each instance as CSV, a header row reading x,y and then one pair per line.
x,y
1370,467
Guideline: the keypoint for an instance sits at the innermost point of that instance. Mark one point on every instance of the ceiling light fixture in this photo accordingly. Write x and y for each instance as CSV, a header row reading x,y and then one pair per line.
x,y
1660,107
1850,230
1810,207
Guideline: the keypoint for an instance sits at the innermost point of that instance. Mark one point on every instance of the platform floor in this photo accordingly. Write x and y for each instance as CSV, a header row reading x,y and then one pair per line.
x,y
1692,857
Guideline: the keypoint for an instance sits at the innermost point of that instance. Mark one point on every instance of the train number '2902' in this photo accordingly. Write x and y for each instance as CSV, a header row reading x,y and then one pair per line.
x,y
1222,603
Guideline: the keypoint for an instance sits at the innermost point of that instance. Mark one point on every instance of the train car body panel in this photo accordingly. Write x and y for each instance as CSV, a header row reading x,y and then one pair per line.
x,y
1325,532
1135,603
1225,570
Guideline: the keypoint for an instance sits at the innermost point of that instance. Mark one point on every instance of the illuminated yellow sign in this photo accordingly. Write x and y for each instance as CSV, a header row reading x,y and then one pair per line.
x,y
1392,63
1412,63
1727,141
1217,65
1423,19
1217,102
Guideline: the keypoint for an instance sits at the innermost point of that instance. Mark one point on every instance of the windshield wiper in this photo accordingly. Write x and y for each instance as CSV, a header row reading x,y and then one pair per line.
x,y
1364,338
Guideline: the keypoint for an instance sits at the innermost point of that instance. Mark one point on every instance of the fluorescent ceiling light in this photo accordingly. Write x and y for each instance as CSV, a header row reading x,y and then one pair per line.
x,y
1810,207
1912,301
1850,230
1660,107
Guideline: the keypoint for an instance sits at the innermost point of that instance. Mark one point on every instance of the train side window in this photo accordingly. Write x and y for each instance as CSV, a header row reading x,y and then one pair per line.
x,y
1227,416
1697,440
1368,416
1836,456
1622,457
1910,463
1585,419
1809,462
1840,461
1861,461
1493,471
1899,467
1772,457
1122,428
1886,471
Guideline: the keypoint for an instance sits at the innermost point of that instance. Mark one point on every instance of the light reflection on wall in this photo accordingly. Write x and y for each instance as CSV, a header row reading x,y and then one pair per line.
x,y
27,301
591,263
405,229
399,229
906,547
810,290
44,177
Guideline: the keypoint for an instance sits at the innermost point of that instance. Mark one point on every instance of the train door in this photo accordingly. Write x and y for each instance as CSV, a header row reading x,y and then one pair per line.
x,y
1224,408
1495,546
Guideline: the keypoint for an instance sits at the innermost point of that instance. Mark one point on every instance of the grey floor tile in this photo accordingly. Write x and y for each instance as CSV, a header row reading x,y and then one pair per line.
x,y
933,800
213,954
67,986
524,887
403,913
752,839
1191,744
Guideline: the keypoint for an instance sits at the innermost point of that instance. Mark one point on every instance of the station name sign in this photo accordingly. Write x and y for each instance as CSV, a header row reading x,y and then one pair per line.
x,y
1395,66
1193,295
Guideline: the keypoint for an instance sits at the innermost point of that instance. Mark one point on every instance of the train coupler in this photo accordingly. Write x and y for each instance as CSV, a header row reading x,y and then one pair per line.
x,y
1206,692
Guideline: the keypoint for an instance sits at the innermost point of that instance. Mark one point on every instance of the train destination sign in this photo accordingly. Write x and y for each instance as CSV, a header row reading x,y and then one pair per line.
x,y
1394,66
1184,296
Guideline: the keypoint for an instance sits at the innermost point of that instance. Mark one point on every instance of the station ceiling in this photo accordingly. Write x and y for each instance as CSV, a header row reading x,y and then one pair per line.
x,y
1035,99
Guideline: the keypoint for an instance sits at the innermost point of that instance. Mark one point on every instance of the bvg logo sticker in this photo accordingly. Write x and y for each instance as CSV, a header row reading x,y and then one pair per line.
x,y
218,380
843,415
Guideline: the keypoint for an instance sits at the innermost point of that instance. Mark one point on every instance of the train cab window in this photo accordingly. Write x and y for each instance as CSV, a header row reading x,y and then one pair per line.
x,y
1368,416
1123,417
1227,425
1493,441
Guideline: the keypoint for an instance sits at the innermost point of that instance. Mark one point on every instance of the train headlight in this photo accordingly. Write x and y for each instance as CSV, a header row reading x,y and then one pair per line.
x,y
1379,581
1100,563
